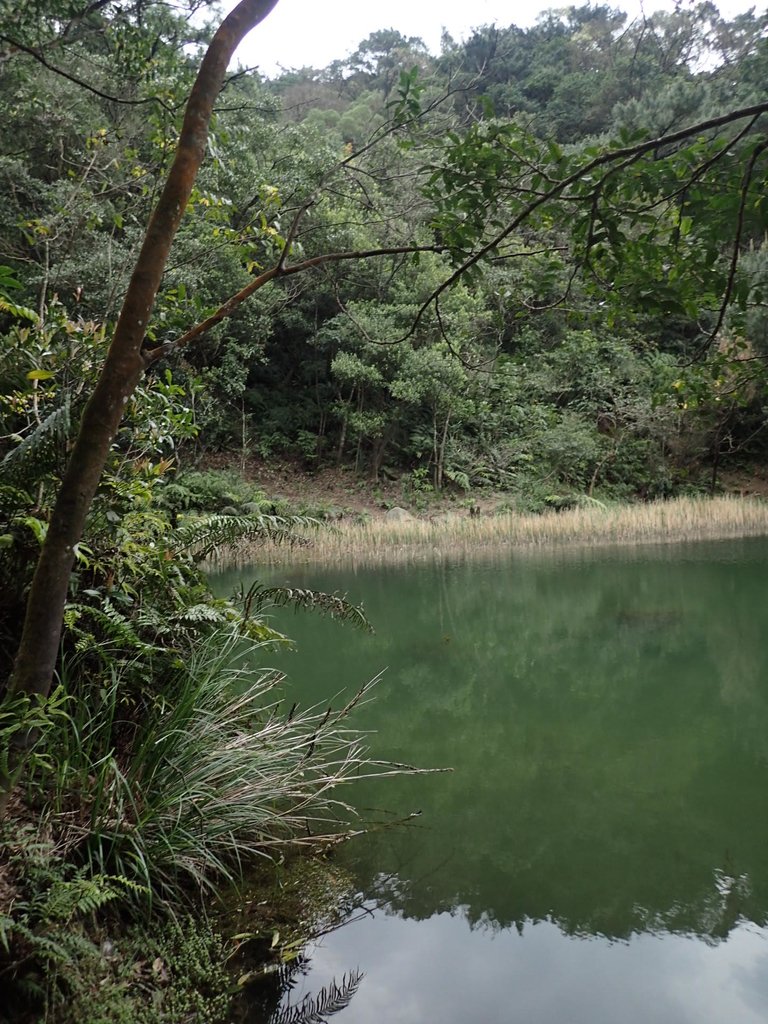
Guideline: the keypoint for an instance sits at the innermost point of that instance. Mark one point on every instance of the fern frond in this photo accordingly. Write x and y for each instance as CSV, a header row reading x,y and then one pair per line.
x,y
38,452
331,999
334,605
201,613
44,946
112,624
80,896
203,536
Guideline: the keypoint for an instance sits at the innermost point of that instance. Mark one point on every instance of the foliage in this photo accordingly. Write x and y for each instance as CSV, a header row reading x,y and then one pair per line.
x,y
316,374
209,491
57,948
336,606
180,789
561,306
137,592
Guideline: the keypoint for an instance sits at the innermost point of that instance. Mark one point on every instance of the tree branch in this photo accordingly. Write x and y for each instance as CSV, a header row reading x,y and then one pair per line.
x,y
227,308
38,56
624,154
746,181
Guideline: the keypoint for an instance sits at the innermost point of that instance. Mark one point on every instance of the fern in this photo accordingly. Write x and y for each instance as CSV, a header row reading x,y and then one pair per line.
x,y
331,999
38,453
114,626
44,946
203,536
198,613
458,477
334,605
48,897
66,900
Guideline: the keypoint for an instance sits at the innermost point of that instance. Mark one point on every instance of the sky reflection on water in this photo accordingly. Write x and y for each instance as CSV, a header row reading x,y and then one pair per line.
x,y
441,970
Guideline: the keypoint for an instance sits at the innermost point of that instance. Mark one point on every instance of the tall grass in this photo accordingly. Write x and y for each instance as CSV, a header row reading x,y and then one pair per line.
x,y
213,773
682,519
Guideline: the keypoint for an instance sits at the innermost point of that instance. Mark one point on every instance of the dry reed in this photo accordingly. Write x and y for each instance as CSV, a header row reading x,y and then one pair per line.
x,y
459,535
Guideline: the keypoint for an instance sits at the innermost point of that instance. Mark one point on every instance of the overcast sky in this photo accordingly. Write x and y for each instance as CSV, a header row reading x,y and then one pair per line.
x,y
301,33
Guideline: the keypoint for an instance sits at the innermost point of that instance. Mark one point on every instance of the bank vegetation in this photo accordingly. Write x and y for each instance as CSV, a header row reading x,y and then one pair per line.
x,y
458,535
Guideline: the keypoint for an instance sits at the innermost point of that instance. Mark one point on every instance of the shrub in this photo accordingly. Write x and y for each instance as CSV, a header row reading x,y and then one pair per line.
x,y
208,491
62,948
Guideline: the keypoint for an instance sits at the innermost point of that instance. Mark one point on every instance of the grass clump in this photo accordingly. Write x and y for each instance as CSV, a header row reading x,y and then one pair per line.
x,y
179,792
139,808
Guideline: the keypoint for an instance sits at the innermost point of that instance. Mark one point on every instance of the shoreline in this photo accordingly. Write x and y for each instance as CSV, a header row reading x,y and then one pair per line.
x,y
411,538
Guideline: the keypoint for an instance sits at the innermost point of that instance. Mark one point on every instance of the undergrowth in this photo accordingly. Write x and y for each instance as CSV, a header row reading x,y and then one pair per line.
x,y
593,523
67,956
139,808
176,790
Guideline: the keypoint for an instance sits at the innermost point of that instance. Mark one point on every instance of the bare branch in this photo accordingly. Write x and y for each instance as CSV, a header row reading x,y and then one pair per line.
x,y
38,56
292,233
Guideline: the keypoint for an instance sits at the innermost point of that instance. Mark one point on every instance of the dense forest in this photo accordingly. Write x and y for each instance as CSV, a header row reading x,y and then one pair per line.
x,y
588,353
533,263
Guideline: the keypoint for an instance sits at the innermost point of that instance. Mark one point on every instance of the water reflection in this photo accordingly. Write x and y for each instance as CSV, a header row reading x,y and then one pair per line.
x,y
434,971
606,717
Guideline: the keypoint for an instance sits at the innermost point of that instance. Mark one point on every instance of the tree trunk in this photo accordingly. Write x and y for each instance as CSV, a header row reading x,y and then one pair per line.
x,y
344,424
441,454
378,451
123,367
359,448
243,437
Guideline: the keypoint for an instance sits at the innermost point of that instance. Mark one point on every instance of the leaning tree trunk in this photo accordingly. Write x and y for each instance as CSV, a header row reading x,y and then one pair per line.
x,y
123,367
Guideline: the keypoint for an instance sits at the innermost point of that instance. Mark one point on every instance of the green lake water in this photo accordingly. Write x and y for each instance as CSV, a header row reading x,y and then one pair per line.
x,y
599,853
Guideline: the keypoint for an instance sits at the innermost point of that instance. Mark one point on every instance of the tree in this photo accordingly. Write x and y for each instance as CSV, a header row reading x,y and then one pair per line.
x,y
128,357
123,368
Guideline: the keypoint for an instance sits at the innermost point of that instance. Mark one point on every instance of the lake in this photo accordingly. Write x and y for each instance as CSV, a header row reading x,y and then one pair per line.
x,y
599,852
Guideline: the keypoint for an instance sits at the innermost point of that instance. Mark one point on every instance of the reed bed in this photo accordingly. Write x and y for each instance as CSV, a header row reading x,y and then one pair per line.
x,y
460,535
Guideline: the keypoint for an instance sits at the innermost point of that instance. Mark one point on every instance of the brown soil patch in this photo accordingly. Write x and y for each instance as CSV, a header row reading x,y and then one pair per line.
x,y
342,488
746,482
